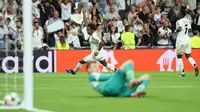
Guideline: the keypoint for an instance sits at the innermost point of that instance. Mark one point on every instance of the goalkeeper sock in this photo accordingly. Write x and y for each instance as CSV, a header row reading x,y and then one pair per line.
x,y
129,72
78,67
111,67
180,65
192,62
142,86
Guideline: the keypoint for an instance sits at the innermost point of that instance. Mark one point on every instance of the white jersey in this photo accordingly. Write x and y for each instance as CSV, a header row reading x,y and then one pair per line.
x,y
94,42
182,36
94,45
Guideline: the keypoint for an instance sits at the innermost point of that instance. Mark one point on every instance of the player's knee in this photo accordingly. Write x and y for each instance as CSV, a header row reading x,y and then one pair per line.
x,y
188,55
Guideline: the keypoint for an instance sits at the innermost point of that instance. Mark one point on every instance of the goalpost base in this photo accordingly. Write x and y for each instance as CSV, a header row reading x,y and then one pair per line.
x,y
22,107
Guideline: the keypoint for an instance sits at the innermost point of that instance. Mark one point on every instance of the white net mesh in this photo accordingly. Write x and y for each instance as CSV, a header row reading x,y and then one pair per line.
x,y
9,80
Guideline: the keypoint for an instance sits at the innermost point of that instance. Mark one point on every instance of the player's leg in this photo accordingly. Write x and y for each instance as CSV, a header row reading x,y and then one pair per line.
x,y
79,65
136,91
118,83
114,85
140,90
187,52
180,65
193,63
107,65
77,68
179,52
127,67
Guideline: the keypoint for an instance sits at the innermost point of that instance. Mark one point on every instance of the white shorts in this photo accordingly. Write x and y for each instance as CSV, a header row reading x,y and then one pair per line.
x,y
183,48
91,57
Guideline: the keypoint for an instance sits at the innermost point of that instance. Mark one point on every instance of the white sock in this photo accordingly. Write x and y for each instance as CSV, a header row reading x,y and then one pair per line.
x,y
78,67
111,67
192,62
180,64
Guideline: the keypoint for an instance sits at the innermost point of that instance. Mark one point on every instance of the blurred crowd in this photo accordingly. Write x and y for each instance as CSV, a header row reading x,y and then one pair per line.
x,y
120,24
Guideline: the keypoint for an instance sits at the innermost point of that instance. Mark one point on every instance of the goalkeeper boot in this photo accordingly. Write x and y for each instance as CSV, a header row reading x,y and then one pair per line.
x,y
141,94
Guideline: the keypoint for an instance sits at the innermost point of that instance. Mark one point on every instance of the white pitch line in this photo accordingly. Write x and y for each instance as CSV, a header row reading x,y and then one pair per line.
x,y
157,87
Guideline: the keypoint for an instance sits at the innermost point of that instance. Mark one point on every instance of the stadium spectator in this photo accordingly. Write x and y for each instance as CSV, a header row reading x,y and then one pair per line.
x,y
195,40
164,35
111,38
19,8
112,14
143,14
36,11
50,36
2,31
121,4
110,3
96,12
102,13
19,33
8,27
137,27
56,5
168,4
147,38
66,7
192,4
72,38
157,15
46,11
102,5
129,38
82,4
132,15
197,17
62,44
1,5
164,17
38,35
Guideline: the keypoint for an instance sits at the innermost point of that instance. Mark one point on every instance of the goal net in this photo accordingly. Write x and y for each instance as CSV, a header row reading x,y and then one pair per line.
x,y
12,84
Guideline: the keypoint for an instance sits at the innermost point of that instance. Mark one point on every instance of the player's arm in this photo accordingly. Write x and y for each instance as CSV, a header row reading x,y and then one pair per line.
x,y
99,77
100,47
101,44
98,41
178,27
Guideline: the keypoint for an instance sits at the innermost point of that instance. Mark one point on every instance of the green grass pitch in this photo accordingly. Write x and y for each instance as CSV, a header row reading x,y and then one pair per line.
x,y
61,92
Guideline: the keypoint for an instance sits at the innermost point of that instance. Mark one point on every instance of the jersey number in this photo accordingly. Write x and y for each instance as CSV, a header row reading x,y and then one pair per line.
x,y
186,30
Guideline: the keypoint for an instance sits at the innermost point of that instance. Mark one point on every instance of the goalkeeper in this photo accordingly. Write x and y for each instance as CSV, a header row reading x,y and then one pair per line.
x,y
120,84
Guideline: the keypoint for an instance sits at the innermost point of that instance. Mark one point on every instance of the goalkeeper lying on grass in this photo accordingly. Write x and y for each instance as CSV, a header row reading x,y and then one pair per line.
x,y
121,84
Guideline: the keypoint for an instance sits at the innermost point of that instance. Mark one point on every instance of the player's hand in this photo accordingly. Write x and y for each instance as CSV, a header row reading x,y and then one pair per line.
x,y
96,53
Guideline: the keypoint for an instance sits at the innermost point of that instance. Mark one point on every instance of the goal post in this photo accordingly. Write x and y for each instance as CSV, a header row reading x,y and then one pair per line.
x,y
28,80
28,54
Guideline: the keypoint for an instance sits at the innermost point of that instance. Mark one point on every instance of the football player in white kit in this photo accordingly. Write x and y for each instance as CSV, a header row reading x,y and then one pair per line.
x,y
97,53
183,44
